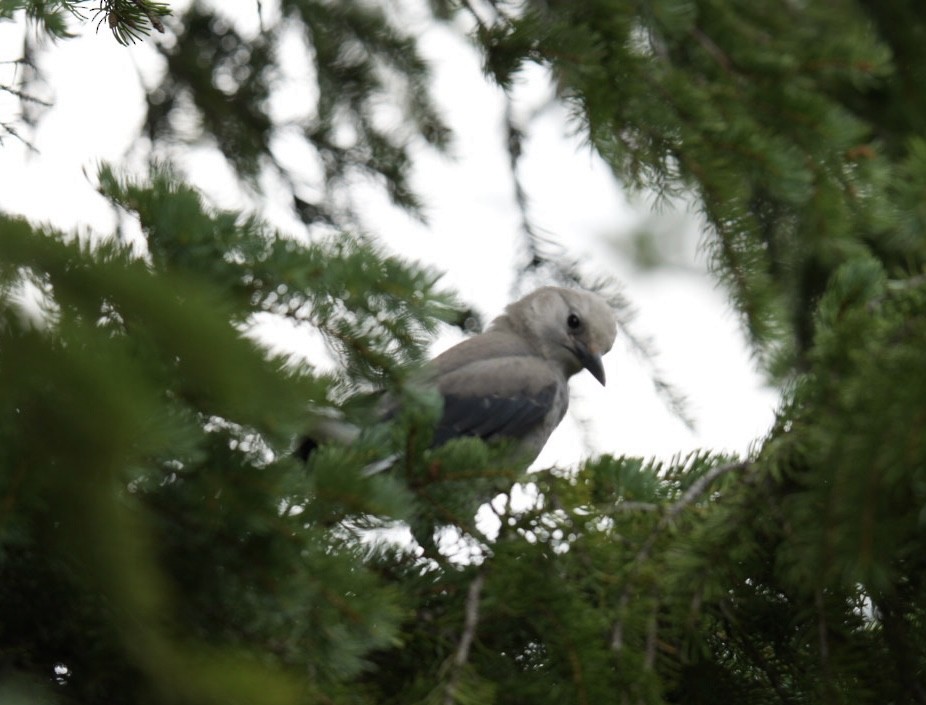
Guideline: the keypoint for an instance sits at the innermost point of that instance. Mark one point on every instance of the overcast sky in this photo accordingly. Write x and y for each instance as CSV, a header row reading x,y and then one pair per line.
x,y
473,233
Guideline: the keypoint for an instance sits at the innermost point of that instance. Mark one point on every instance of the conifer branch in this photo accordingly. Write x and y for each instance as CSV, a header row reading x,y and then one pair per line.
x,y
900,645
689,496
147,10
699,486
814,162
129,20
774,678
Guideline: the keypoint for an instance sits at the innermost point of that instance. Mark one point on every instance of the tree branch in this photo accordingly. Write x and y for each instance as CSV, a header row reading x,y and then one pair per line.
x,y
689,496
470,622
774,678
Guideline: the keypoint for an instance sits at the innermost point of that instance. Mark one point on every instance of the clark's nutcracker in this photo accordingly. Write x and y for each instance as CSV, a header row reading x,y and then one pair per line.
x,y
511,382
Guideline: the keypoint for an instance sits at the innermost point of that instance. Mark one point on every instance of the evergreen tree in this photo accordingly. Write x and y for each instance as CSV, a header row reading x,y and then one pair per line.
x,y
159,543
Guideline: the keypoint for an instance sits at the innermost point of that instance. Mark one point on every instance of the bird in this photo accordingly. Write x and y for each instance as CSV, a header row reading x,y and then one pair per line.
x,y
511,382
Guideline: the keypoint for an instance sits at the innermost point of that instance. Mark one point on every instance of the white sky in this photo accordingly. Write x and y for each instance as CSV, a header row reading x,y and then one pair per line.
x,y
473,234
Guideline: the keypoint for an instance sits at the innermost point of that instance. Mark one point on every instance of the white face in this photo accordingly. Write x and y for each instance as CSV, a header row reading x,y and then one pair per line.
x,y
574,327
596,321
582,315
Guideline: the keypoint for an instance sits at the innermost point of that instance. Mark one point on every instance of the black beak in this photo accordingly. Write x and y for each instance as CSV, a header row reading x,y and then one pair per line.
x,y
590,360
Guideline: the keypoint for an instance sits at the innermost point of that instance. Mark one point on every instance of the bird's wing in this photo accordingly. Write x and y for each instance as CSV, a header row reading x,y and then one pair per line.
x,y
504,397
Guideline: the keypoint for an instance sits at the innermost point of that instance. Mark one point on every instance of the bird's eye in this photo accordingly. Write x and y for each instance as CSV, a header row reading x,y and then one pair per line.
x,y
573,321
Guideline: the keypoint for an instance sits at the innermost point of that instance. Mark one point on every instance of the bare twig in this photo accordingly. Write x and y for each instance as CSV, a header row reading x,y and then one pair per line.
x,y
470,623
260,15
649,658
7,129
24,96
534,242
617,634
630,506
906,284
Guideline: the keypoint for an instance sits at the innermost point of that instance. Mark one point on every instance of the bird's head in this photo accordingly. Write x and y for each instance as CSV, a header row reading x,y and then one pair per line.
x,y
569,327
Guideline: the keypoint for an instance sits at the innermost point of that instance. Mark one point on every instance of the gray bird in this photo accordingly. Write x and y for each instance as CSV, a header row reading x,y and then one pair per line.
x,y
511,382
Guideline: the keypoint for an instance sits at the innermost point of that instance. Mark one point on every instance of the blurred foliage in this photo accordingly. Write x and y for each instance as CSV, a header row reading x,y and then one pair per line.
x,y
142,430
160,544
361,60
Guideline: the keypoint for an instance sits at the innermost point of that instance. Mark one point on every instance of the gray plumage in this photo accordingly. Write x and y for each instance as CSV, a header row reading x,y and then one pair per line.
x,y
511,382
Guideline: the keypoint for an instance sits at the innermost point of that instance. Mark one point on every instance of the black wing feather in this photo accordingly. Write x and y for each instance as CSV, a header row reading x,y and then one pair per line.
x,y
493,415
